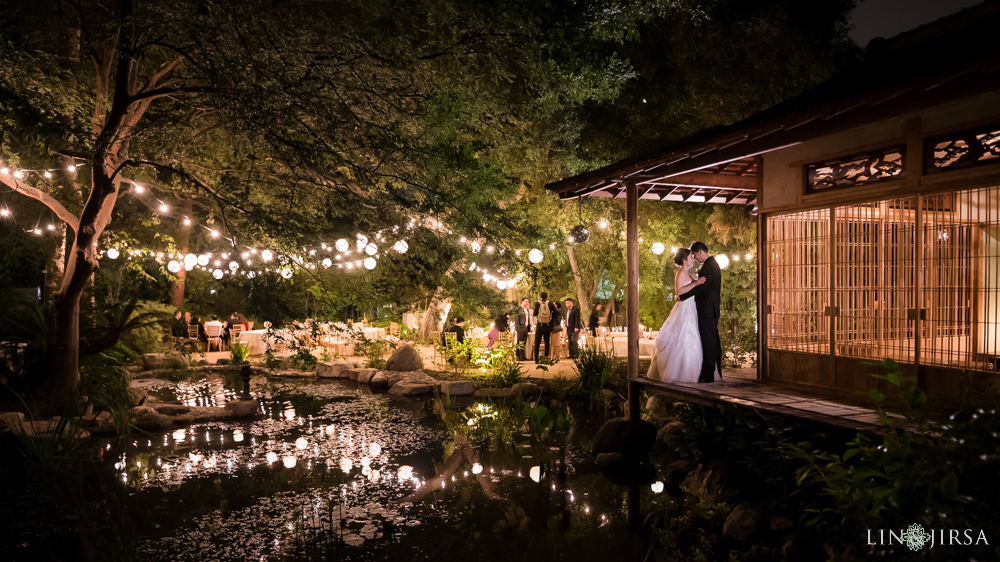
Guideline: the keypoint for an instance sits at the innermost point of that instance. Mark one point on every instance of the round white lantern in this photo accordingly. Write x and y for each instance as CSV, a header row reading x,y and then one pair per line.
x,y
327,262
113,254
362,241
174,266
203,260
401,246
286,272
370,263
233,266
658,248
342,245
535,256
475,247
217,274
371,249
266,255
722,260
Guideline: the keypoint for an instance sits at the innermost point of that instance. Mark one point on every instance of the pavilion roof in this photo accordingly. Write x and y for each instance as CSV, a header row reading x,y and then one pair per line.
x,y
944,61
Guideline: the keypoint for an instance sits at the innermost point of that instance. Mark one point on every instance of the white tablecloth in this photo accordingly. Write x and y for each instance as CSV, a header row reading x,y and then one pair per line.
x,y
257,340
647,348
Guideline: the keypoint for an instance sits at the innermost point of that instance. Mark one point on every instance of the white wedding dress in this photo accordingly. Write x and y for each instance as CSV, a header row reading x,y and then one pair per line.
x,y
678,346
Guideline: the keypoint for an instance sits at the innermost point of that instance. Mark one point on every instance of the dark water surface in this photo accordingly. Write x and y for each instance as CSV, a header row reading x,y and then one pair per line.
x,y
332,471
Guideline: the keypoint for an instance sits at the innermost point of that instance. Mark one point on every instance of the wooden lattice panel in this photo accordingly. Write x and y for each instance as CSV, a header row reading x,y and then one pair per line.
x,y
798,281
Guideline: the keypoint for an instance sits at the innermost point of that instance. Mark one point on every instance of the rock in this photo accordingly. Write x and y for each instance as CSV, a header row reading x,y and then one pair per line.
x,y
207,413
405,358
202,362
525,388
379,380
243,408
353,374
334,369
286,363
633,440
42,427
223,361
676,472
493,393
11,421
607,460
747,522
365,375
407,388
136,396
457,388
172,409
394,377
610,396
148,419
184,420
780,524
100,423
669,431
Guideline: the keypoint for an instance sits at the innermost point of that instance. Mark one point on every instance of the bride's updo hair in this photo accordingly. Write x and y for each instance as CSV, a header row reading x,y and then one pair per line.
x,y
681,255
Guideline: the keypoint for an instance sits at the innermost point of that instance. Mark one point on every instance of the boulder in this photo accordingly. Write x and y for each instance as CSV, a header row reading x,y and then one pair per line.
x,y
457,388
747,522
493,393
11,421
365,375
148,419
669,431
101,423
676,472
136,396
406,358
607,460
525,388
207,413
407,388
780,524
184,420
243,408
379,380
172,409
334,369
610,396
632,440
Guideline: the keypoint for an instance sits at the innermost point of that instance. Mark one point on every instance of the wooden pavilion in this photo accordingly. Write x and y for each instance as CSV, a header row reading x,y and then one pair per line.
x,y
878,199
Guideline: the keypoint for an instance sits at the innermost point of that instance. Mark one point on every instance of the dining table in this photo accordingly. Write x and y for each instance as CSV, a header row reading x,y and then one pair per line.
x,y
618,343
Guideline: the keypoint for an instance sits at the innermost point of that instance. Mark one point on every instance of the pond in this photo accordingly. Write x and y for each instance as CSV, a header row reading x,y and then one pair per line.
x,y
333,471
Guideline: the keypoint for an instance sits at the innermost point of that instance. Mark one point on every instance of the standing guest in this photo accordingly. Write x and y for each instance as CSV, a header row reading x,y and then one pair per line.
x,y
595,319
572,328
178,328
546,313
522,325
500,325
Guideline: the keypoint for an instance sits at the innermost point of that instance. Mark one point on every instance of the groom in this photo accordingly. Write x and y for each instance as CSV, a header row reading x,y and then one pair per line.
x,y
706,298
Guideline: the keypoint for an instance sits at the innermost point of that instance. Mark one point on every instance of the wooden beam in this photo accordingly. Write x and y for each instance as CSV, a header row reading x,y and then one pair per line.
x,y
632,296
704,179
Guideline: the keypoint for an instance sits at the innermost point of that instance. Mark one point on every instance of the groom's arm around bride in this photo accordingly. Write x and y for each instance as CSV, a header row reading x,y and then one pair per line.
x,y
707,298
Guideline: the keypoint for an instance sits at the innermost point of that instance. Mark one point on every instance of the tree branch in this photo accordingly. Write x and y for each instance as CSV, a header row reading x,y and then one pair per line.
x,y
55,206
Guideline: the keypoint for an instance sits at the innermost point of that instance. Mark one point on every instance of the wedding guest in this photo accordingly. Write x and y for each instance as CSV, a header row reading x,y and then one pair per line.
x,y
522,325
572,328
237,318
178,328
459,328
595,319
217,328
546,314
500,325
451,324
410,320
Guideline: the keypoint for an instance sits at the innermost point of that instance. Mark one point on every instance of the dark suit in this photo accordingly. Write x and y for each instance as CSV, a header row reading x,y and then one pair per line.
x,y
522,325
573,331
707,298
544,331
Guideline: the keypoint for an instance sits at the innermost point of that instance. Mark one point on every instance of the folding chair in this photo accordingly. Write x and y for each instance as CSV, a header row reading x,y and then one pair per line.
x,y
193,335
214,333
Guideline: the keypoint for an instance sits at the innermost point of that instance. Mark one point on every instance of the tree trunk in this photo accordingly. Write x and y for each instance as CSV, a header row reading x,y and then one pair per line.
x,y
56,266
183,240
433,315
581,299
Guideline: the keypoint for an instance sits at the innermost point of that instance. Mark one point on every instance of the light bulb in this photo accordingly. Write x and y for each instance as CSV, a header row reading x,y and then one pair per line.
x,y
164,208
47,174
71,168
187,222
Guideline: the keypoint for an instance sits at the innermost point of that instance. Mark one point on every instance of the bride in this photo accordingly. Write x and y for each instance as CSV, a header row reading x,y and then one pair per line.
x,y
678,345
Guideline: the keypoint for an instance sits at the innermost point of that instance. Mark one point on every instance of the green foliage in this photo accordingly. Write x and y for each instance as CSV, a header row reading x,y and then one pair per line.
x,y
374,350
499,368
238,352
689,528
461,356
148,337
598,368
105,382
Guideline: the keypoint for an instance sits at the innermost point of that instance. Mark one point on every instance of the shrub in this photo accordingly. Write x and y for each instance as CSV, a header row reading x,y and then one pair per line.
x,y
148,338
239,352
500,368
598,368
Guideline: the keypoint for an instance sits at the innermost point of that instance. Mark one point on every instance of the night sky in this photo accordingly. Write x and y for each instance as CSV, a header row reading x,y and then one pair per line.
x,y
885,18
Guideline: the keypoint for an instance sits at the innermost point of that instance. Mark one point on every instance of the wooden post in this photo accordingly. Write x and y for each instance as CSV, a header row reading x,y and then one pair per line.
x,y
632,293
762,317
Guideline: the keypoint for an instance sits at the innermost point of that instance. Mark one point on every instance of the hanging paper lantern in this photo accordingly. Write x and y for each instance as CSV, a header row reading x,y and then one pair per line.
x,y
401,247
327,262
251,274
657,487
370,263
266,255
475,247
113,253
173,267
203,260
722,260
233,266
286,272
658,248
472,267
217,274
371,249
501,285
190,261
342,245
535,256
362,241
